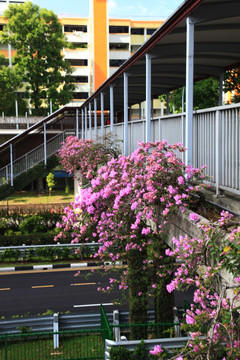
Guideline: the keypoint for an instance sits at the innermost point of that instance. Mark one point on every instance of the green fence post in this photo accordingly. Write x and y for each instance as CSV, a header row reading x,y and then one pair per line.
x,y
5,346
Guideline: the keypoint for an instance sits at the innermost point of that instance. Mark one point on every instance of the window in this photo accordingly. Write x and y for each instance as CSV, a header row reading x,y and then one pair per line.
x,y
134,48
80,79
119,46
150,31
118,29
137,31
80,95
78,62
80,45
115,62
73,28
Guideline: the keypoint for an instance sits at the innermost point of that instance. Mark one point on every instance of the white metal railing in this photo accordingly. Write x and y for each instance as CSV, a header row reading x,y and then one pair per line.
x,y
216,137
31,158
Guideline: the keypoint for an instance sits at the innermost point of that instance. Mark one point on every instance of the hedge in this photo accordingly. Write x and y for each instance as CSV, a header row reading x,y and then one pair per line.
x,y
32,239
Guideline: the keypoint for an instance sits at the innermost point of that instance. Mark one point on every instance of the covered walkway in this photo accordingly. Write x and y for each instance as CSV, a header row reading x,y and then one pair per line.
x,y
199,40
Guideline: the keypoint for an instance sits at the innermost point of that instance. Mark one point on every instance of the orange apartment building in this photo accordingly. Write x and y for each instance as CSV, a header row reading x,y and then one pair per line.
x,y
101,44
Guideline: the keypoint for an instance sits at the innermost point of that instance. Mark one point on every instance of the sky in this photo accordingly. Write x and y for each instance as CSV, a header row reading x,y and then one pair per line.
x,y
133,9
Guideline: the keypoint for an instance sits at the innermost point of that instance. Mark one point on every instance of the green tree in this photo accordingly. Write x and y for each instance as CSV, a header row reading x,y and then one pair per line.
x,y
50,182
205,95
37,37
10,81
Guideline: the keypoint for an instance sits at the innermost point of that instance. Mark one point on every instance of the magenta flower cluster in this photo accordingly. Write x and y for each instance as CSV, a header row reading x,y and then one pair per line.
x,y
128,203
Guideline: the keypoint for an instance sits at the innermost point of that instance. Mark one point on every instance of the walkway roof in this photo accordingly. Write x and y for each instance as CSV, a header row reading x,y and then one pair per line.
x,y
216,49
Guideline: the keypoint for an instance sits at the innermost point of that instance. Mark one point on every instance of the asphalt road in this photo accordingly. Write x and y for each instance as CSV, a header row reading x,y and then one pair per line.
x,y
35,292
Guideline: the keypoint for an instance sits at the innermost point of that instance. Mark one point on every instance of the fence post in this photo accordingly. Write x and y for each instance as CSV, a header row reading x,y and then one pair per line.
x,y
55,331
5,345
217,150
176,321
116,322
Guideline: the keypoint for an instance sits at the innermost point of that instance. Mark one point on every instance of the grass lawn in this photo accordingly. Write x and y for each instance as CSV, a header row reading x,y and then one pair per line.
x,y
27,197
73,345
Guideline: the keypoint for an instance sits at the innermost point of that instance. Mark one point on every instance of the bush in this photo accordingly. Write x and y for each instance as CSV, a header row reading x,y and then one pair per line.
x,y
120,353
33,224
10,253
31,239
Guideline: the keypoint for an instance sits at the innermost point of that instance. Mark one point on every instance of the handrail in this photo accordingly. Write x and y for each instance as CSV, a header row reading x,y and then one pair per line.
x,y
27,161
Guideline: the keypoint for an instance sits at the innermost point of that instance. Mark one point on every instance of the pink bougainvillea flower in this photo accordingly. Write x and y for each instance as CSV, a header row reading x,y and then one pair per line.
x,y
194,217
157,350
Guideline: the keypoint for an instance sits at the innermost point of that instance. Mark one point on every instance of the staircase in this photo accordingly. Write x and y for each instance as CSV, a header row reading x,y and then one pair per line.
x,y
32,158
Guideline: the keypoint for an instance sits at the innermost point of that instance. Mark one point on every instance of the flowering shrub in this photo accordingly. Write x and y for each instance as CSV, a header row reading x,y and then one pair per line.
x,y
84,156
122,203
213,319
125,209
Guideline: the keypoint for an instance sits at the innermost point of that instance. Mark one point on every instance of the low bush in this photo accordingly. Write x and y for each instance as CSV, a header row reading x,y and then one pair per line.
x,y
121,353
33,224
31,239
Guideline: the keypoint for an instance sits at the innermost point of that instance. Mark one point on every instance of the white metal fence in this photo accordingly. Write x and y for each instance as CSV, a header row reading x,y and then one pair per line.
x,y
216,136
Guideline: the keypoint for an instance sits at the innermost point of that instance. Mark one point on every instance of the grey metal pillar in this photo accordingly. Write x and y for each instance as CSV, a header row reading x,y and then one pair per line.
x,y
140,111
102,116
168,111
95,118
45,143
16,108
125,115
11,163
221,80
77,124
189,91
148,98
82,124
50,107
111,109
90,120
85,122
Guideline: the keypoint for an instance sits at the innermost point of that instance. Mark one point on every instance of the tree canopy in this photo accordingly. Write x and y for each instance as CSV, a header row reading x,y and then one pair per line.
x,y
37,37
10,81
205,95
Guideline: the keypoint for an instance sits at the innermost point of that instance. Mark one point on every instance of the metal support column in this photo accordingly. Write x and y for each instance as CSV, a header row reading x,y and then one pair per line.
x,y
221,80
125,126
102,116
95,118
85,122
82,124
111,109
45,143
90,120
148,98
77,124
189,91
168,110
11,163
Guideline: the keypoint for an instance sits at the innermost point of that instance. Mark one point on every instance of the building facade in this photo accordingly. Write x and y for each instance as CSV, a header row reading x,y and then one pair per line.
x,y
100,45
